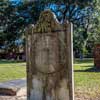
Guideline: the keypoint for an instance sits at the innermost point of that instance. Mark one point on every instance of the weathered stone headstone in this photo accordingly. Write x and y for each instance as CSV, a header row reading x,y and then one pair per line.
x,y
48,70
97,56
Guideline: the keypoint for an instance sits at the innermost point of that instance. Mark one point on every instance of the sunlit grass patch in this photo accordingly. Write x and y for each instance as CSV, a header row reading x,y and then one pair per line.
x,y
10,70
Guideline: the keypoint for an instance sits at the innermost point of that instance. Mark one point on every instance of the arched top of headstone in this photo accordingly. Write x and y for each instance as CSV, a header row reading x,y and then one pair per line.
x,y
47,23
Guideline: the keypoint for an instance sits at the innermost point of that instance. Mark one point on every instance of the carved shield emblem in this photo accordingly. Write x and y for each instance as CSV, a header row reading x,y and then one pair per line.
x,y
47,54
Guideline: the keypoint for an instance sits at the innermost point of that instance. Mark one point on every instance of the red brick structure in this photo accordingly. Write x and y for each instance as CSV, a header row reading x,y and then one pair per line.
x,y
97,55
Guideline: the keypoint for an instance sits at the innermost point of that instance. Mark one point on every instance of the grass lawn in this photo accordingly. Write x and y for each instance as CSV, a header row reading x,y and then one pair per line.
x,y
87,80
10,70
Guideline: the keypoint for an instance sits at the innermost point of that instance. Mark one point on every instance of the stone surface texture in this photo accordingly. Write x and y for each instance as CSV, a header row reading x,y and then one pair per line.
x,y
47,68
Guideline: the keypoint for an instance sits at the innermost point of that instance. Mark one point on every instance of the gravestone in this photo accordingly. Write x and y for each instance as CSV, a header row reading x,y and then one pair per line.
x,y
49,66
97,56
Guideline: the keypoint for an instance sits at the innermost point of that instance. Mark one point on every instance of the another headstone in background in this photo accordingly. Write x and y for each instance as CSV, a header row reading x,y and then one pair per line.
x,y
97,56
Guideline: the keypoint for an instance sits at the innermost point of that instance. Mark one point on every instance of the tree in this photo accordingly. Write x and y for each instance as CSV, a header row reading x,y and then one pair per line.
x,y
86,36
11,24
17,15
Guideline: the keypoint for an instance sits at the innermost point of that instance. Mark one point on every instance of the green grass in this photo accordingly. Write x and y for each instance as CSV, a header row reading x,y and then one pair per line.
x,y
87,80
10,70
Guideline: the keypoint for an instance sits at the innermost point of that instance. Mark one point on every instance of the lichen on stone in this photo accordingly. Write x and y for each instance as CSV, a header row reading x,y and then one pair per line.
x,y
47,23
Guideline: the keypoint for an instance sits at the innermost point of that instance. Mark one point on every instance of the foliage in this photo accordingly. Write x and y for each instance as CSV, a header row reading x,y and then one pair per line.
x,y
17,16
85,37
11,24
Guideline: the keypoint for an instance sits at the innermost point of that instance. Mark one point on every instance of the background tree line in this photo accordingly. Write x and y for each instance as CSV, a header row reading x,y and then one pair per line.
x,y
16,15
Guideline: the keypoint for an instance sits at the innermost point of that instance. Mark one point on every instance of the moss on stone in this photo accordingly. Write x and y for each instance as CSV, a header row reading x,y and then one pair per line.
x,y
47,23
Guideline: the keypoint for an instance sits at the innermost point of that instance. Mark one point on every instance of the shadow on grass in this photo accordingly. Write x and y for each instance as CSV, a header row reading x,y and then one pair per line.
x,y
10,61
92,69
78,61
